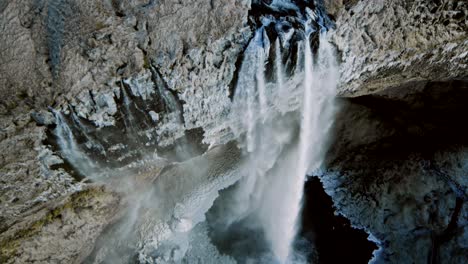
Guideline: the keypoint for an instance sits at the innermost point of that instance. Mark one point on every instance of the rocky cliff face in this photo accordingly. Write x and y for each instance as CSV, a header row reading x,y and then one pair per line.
x,y
387,44
397,169
82,57
138,81
397,163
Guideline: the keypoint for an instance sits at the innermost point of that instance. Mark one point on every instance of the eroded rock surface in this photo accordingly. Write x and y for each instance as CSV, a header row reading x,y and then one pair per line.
x,y
398,158
387,44
397,169
62,231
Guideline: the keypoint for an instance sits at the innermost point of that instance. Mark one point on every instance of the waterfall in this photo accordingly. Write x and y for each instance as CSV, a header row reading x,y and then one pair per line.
x,y
273,189
260,76
323,106
251,95
282,92
282,203
130,125
297,179
318,109
282,126
170,102
69,147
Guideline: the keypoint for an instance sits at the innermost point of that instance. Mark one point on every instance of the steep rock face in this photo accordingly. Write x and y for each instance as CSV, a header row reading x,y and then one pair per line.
x,y
86,57
388,44
396,164
81,57
26,178
397,168
63,231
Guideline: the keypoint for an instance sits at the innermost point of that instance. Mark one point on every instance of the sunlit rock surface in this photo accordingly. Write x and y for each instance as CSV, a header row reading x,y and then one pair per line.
x,y
79,57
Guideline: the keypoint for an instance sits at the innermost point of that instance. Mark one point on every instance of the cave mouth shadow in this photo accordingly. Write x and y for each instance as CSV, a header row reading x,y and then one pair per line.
x,y
400,135
332,236
323,237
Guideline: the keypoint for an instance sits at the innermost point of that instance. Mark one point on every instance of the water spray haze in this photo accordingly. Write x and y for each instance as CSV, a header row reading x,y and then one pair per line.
x,y
240,201
272,190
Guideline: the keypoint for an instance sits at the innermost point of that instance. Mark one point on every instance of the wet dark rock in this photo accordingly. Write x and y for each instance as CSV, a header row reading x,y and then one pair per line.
x,y
328,231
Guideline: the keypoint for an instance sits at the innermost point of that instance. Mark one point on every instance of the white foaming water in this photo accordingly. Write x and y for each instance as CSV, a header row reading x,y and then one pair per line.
x,y
283,186
251,96
296,192
323,103
318,110
69,148
260,76
287,186
282,91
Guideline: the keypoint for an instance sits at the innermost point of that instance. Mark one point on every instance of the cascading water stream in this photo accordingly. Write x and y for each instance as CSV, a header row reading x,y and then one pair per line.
x,y
251,96
303,159
280,184
282,92
69,147
130,121
260,76
318,109
281,225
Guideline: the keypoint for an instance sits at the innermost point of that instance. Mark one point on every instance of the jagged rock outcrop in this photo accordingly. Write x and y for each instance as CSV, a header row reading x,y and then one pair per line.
x,y
387,44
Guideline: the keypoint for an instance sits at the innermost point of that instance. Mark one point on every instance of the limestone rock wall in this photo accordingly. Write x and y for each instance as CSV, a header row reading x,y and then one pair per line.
x,y
390,43
77,55
403,79
81,57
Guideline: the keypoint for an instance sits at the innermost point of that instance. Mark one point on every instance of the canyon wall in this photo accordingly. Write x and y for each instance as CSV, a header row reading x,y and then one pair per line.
x,y
76,55
396,165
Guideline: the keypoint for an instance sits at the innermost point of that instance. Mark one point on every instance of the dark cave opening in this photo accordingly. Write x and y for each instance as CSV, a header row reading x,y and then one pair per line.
x,y
323,237
334,239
